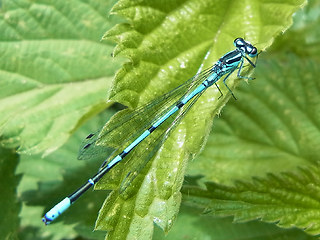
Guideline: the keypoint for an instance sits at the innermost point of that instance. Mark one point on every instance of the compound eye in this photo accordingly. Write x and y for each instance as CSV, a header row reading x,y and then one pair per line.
x,y
238,42
253,52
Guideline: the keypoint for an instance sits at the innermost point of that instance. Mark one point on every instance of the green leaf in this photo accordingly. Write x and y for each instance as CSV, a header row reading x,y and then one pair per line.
x,y
287,199
172,46
48,180
166,44
191,224
54,76
303,37
54,71
9,219
273,129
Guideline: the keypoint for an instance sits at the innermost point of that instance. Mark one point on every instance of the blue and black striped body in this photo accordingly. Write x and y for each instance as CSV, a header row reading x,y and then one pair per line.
x,y
226,65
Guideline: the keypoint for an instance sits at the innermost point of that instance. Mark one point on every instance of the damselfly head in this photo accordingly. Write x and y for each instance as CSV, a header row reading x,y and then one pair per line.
x,y
252,51
245,47
239,42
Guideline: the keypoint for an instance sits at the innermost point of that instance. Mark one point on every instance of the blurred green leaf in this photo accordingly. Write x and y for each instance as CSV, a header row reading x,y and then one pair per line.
x,y
9,214
191,224
47,181
288,199
54,71
303,38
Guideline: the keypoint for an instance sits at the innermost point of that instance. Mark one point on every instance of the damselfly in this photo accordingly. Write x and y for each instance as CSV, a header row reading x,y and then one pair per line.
x,y
173,105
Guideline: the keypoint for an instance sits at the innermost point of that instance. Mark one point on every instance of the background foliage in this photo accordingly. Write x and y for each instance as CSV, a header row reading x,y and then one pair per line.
x,y
258,175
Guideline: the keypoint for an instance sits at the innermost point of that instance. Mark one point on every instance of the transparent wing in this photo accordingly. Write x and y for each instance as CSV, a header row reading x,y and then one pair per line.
x,y
115,133
90,150
132,121
141,160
